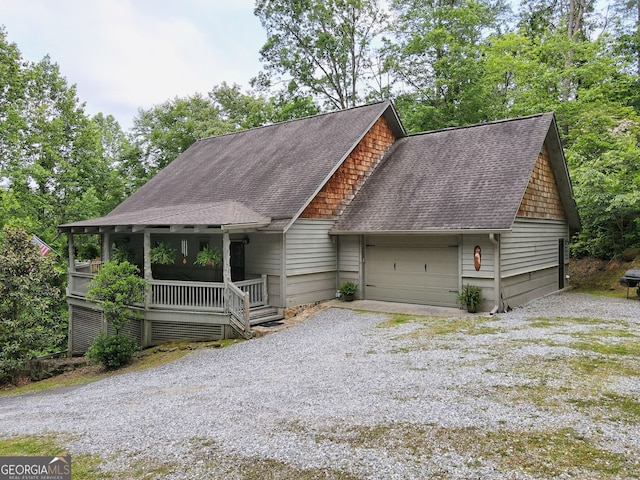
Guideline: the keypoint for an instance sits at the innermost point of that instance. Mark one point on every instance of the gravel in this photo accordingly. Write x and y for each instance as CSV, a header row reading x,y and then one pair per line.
x,y
312,396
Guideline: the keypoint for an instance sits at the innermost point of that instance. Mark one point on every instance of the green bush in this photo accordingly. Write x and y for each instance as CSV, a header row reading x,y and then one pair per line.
x,y
31,322
112,351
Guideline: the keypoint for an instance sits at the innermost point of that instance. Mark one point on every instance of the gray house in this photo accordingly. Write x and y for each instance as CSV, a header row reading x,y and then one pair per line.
x,y
299,207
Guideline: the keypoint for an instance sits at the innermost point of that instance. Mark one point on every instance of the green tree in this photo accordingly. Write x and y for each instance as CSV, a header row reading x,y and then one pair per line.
x,y
436,59
604,159
117,288
54,167
30,306
322,48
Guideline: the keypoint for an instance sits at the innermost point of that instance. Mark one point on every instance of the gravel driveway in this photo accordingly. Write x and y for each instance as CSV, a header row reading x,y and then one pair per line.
x,y
361,395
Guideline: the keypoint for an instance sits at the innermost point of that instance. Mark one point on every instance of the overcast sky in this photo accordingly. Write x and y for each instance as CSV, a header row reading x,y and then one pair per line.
x,y
126,54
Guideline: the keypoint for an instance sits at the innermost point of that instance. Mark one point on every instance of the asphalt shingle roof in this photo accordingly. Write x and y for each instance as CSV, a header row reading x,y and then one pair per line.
x,y
454,179
272,170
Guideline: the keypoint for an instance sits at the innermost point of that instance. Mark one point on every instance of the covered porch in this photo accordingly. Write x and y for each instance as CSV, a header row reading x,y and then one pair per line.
x,y
186,301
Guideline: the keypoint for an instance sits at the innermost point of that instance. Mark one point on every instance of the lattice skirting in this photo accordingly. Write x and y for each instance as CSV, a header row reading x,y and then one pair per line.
x,y
86,325
162,332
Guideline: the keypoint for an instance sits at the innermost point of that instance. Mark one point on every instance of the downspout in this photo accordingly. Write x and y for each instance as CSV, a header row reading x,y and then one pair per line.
x,y
496,272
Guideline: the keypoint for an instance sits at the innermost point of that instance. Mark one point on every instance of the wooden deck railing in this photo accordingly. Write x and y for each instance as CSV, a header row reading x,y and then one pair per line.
x,y
239,310
257,289
187,295
177,295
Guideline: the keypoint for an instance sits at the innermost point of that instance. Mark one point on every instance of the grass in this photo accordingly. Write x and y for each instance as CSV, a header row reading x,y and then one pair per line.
x,y
545,453
436,326
148,358
83,467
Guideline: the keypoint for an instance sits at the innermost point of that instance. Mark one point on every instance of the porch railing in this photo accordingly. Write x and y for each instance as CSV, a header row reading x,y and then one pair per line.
x,y
257,289
78,284
178,295
239,310
187,295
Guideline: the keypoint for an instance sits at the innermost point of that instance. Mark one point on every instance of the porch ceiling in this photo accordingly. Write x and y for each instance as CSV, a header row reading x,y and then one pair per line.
x,y
200,217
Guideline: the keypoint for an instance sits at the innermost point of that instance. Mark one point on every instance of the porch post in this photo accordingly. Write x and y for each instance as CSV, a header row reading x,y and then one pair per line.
x,y
72,253
147,259
148,276
226,258
106,247
70,270
146,262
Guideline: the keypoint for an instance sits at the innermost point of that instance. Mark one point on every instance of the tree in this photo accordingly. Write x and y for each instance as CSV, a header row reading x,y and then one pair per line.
x,y
249,110
604,159
164,131
436,58
323,48
53,164
30,306
117,288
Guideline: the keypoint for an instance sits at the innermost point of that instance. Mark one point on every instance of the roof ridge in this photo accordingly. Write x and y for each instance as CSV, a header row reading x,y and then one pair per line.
x,y
493,122
291,120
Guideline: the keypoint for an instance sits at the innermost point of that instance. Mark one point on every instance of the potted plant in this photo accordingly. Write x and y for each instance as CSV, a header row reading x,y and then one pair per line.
x,y
348,290
162,254
208,256
471,297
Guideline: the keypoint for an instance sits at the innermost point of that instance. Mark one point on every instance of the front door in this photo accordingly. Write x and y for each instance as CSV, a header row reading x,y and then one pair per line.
x,y
237,261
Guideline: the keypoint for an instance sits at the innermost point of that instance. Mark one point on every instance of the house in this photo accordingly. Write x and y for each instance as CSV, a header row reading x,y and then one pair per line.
x,y
299,207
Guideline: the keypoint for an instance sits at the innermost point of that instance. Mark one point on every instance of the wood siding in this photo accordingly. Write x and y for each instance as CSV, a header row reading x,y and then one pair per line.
x,y
487,260
310,288
542,199
349,260
263,255
530,259
310,249
331,200
311,262
483,278
529,286
532,245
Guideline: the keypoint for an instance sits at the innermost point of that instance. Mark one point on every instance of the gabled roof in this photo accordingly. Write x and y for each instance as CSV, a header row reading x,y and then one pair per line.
x,y
459,179
271,171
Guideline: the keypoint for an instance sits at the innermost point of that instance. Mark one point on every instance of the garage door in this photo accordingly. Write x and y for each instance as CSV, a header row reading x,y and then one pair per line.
x,y
415,270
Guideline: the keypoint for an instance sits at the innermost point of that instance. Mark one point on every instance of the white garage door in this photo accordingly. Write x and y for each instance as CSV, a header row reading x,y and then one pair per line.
x,y
414,270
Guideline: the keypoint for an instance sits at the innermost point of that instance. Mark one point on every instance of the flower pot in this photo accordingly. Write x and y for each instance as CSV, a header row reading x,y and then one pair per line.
x,y
348,298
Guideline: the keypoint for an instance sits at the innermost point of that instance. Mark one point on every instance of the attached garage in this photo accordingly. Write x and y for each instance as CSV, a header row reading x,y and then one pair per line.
x,y
419,269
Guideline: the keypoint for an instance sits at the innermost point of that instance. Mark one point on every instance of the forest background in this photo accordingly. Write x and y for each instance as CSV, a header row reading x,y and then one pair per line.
x,y
445,63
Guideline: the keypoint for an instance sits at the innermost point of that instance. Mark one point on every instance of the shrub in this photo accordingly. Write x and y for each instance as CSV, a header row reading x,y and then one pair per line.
x,y
116,288
471,297
348,288
30,303
113,351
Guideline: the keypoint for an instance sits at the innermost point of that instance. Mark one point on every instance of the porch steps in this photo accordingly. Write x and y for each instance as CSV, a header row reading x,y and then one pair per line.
x,y
265,314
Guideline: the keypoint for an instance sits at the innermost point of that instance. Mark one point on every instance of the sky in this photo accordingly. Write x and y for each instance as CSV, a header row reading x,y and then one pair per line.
x,y
123,55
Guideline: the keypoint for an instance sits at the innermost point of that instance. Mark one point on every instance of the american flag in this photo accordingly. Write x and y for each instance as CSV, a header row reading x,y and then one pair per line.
x,y
44,248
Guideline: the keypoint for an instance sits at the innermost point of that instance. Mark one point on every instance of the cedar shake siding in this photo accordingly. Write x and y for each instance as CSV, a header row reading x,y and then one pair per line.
x,y
347,180
542,199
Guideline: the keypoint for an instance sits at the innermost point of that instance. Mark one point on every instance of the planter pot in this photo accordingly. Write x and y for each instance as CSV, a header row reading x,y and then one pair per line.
x,y
348,298
472,309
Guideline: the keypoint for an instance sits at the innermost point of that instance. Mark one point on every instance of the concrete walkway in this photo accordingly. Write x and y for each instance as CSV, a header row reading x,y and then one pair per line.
x,y
394,307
